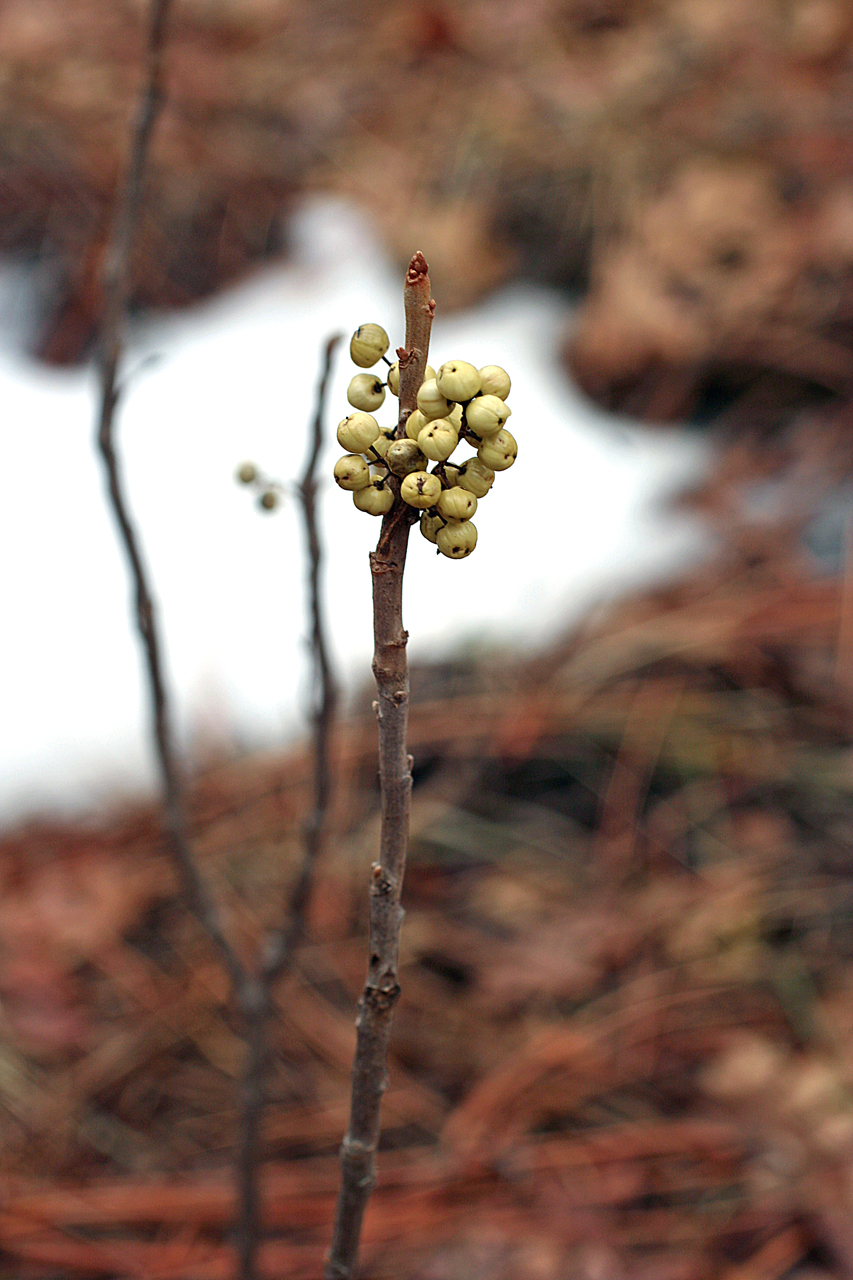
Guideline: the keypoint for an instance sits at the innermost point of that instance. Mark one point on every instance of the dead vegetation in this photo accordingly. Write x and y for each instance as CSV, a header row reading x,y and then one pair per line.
x,y
625,1042
687,163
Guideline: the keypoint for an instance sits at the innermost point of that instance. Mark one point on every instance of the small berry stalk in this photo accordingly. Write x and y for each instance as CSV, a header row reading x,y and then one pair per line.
x,y
387,470
390,668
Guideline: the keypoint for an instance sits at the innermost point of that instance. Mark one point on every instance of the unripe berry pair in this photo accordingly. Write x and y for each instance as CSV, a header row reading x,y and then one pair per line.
x,y
270,492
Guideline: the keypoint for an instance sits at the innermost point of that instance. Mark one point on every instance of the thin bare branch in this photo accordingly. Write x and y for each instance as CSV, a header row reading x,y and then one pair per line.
x,y
256,1009
324,692
390,668
116,292
253,992
257,1006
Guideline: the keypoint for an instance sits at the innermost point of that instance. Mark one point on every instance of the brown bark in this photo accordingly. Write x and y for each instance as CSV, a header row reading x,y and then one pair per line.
x,y
114,310
256,996
390,668
252,992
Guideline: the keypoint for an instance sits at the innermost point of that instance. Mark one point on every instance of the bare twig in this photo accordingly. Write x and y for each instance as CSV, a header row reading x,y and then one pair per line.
x,y
324,687
253,992
390,668
256,1008
324,692
281,946
116,290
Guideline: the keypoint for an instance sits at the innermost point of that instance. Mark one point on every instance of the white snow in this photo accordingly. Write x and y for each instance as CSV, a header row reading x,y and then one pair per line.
x,y
579,516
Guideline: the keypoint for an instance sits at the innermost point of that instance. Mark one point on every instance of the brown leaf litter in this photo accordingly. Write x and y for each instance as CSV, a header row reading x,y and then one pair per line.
x,y
625,1042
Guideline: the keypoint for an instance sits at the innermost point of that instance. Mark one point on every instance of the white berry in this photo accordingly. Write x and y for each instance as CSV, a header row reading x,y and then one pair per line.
x,y
487,414
376,499
357,432
352,472
404,456
431,402
494,381
476,477
430,526
498,451
383,441
368,344
420,489
366,392
415,424
457,539
458,380
456,504
438,439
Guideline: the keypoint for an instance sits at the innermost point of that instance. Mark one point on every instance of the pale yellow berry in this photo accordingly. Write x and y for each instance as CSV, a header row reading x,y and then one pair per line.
x,y
431,402
415,424
404,456
476,477
365,391
383,441
376,499
357,432
352,472
438,440
456,504
457,539
420,489
247,473
430,526
455,416
458,380
498,451
487,414
451,474
494,381
368,344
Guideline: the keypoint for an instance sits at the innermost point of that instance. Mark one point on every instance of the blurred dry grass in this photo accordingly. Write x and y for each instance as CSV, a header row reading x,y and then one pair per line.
x,y
686,162
625,1042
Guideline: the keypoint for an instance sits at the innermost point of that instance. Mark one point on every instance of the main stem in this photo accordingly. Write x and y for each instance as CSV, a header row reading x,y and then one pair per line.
x,y
390,668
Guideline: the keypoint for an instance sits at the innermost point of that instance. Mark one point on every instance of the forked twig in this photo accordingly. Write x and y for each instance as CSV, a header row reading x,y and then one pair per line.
x,y
281,946
324,692
116,292
390,669
252,991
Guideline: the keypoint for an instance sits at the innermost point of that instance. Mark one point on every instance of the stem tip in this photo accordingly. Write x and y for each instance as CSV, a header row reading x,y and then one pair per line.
x,y
417,268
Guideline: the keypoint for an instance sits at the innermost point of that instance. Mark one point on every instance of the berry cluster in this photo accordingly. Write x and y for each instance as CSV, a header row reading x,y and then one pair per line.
x,y
459,402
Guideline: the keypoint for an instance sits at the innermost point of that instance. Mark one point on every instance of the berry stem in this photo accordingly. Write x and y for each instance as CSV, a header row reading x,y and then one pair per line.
x,y
466,432
390,668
